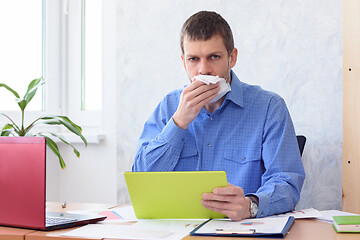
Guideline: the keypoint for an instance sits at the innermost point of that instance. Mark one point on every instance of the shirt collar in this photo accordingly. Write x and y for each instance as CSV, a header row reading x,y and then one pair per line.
x,y
236,94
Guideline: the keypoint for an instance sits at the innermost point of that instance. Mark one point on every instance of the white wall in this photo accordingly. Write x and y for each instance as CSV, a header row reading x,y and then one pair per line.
x,y
293,48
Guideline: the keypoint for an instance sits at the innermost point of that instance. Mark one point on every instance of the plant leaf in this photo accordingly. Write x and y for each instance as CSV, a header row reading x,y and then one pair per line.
x,y
53,146
22,104
65,121
77,153
32,88
5,132
8,126
30,93
14,126
10,89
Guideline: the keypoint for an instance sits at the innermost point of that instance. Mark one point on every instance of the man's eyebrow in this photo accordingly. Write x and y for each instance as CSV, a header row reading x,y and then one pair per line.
x,y
210,54
215,53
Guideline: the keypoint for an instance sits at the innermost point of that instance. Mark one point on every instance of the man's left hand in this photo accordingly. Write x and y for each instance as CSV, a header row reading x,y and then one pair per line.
x,y
228,200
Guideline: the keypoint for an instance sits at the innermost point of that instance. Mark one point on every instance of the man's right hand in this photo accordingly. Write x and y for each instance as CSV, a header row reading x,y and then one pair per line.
x,y
193,98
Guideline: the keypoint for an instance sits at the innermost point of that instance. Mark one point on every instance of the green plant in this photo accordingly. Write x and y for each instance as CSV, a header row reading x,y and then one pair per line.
x,y
19,130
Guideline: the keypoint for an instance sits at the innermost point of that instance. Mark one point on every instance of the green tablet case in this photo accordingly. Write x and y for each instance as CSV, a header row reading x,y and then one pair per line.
x,y
173,194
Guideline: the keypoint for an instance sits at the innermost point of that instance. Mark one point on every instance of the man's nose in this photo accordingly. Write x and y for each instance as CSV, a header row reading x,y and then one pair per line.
x,y
204,68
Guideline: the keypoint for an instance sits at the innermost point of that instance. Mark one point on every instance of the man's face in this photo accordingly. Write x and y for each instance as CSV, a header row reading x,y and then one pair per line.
x,y
208,57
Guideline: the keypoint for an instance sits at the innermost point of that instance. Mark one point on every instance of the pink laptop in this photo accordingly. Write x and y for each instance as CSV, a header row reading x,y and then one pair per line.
x,y
23,187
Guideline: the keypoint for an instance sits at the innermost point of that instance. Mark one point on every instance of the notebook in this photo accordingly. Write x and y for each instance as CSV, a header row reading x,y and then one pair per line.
x,y
347,223
173,194
23,187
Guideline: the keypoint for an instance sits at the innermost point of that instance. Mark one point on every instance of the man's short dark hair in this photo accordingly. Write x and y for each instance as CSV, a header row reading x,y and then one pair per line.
x,y
205,24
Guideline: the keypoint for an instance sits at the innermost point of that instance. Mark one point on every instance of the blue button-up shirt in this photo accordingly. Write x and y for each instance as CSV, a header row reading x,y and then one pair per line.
x,y
250,136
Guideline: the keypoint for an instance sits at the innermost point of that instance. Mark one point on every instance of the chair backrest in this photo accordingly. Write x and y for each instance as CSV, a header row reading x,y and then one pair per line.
x,y
301,142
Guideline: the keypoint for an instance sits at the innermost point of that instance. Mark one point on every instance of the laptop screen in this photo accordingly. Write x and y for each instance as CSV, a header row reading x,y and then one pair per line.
x,y
22,181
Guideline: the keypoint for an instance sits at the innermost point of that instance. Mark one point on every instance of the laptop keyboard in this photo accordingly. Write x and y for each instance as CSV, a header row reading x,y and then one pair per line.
x,y
59,220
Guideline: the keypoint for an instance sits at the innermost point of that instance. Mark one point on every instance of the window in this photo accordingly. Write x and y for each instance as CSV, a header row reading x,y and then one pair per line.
x,y
84,61
61,41
21,48
91,55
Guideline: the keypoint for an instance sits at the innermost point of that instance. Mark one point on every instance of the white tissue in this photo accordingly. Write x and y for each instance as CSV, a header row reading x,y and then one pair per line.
x,y
207,79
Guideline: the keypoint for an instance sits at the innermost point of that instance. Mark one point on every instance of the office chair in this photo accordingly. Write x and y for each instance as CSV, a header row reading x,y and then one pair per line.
x,y
301,142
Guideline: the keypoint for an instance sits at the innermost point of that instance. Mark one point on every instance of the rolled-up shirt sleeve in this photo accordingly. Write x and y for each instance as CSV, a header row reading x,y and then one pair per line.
x,y
284,174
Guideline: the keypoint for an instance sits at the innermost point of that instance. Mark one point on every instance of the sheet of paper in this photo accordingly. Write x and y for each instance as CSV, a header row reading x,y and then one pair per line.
x,y
261,225
116,231
327,215
305,213
121,214
126,213
143,229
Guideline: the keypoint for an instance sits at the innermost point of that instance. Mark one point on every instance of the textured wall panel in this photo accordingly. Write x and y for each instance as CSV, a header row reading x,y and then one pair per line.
x,y
293,48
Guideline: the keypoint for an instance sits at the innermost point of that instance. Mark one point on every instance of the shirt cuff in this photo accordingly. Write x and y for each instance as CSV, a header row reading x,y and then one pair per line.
x,y
264,204
173,134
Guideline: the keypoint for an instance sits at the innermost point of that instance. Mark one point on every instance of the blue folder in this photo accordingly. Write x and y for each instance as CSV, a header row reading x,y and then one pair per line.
x,y
281,234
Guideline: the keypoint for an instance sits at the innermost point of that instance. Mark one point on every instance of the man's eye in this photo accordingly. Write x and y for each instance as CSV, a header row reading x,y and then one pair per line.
x,y
193,59
215,56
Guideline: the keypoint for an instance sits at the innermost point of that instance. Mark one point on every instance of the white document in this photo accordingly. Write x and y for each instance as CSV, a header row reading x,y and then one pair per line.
x,y
143,229
116,231
327,215
260,225
298,214
127,213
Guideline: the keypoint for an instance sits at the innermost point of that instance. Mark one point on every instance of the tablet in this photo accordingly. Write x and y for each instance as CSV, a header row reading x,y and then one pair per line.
x,y
173,194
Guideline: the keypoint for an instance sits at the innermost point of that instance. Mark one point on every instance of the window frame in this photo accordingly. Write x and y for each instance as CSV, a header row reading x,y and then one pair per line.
x,y
61,69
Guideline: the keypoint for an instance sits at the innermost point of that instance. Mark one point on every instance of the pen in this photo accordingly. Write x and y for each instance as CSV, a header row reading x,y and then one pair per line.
x,y
222,231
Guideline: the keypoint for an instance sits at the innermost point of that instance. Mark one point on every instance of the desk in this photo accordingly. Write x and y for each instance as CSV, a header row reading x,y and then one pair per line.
x,y
8,233
303,229
57,207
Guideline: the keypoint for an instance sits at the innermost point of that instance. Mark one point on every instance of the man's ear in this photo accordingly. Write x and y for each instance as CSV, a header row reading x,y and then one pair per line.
x,y
183,60
233,57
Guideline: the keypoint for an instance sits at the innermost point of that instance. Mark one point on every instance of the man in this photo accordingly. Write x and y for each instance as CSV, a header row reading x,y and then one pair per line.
x,y
248,132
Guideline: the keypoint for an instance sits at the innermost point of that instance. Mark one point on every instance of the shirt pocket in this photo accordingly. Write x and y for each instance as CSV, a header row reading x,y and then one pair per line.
x,y
188,158
242,155
189,150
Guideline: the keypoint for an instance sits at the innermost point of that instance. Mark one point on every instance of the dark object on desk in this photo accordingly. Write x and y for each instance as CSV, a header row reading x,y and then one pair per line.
x,y
347,224
23,186
301,142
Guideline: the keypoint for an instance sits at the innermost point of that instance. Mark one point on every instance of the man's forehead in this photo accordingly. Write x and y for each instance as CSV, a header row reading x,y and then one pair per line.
x,y
213,44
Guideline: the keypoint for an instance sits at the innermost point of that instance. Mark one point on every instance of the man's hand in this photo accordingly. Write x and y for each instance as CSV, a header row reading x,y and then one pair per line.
x,y
229,200
193,98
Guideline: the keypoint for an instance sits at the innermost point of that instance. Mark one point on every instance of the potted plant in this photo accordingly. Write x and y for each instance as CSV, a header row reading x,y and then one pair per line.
x,y
13,129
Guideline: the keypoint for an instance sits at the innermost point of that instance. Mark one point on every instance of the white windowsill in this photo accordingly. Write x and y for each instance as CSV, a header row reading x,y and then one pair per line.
x,y
91,138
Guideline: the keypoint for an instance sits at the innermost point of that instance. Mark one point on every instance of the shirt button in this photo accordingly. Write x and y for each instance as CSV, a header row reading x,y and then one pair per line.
x,y
212,118
243,158
209,144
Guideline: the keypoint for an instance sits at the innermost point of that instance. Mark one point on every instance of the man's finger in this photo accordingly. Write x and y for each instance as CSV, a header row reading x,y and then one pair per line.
x,y
194,85
233,215
219,205
216,197
230,190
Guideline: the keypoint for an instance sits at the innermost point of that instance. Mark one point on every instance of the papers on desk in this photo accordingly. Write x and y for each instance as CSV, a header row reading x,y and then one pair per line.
x,y
123,224
120,214
123,214
142,229
306,213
